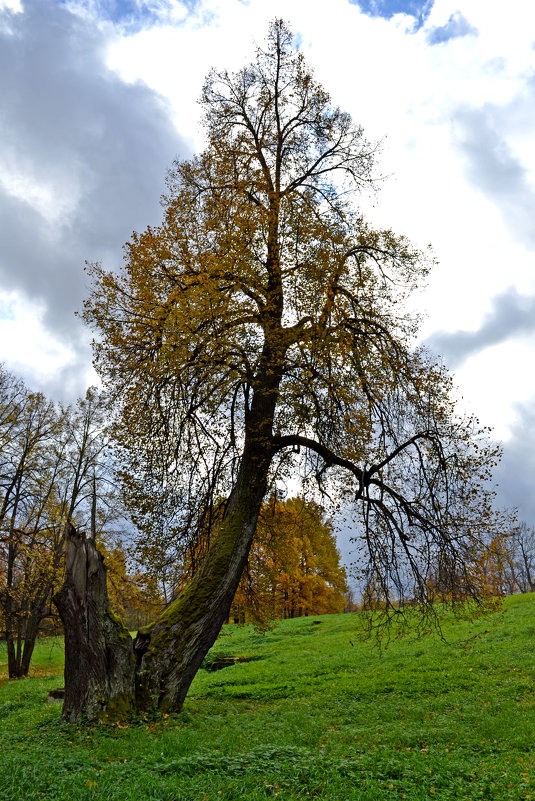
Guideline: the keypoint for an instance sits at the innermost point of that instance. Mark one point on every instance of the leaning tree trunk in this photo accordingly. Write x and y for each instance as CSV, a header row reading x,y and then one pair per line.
x,y
170,651
30,637
99,658
12,666
102,679
36,616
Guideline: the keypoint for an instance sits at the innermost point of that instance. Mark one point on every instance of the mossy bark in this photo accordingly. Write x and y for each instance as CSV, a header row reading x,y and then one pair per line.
x,y
170,651
102,679
99,658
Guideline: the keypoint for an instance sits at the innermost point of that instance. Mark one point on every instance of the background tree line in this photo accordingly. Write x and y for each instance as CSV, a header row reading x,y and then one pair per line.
x,y
56,467
49,473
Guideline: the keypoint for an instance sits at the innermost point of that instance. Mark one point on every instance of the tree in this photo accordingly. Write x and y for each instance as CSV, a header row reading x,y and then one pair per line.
x,y
133,596
519,559
49,464
293,567
29,429
260,330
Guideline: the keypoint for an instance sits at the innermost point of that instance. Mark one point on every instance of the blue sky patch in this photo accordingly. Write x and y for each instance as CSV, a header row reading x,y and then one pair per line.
x,y
419,9
456,26
6,311
132,13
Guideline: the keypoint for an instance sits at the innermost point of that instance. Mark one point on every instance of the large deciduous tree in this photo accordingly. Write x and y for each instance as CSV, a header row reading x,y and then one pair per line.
x,y
294,566
261,329
29,431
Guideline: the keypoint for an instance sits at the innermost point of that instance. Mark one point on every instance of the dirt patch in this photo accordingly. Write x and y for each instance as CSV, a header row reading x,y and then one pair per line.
x,y
56,695
219,661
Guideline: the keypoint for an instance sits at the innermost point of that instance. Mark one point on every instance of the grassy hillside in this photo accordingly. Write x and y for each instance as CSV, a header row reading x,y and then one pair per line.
x,y
314,714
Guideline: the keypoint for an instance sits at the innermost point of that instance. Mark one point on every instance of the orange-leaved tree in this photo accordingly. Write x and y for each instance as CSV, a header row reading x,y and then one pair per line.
x,y
134,595
294,566
261,330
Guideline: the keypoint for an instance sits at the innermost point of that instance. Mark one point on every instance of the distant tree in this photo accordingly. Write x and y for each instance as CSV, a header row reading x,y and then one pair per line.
x,y
493,565
351,605
29,434
486,569
294,566
49,463
519,564
133,595
260,331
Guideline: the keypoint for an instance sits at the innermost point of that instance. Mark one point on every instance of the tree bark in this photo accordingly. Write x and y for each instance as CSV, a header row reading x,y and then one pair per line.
x,y
99,659
170,651
103,678
10,645
31,632
8,611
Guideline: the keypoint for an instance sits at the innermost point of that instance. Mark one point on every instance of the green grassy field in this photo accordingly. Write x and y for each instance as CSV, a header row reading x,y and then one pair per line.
x,y
314,714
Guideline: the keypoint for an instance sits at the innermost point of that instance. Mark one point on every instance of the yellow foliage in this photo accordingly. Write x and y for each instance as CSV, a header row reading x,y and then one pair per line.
x,y
294,567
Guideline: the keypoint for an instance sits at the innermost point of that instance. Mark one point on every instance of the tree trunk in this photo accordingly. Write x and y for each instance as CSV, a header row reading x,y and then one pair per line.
x,y
19,649
99,659
170,651
11,656
13,652
8,612
103,679
32,630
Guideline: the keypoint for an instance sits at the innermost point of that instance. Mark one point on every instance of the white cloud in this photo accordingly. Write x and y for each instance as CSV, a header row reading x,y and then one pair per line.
x,y
89,141
495,381
54,200
11,5
32,351
83,156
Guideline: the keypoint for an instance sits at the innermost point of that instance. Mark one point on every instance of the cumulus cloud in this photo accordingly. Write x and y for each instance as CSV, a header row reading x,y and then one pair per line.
x,y
82,161
457,26
512,314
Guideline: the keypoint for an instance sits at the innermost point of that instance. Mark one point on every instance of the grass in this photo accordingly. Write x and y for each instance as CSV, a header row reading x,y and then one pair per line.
x,y
47,659
314,714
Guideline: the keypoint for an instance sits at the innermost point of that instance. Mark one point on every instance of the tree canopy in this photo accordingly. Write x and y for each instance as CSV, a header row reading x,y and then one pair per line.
x,y
294,565
261,332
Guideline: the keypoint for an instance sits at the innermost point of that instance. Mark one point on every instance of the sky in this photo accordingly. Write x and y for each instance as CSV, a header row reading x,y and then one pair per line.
x,y
97,97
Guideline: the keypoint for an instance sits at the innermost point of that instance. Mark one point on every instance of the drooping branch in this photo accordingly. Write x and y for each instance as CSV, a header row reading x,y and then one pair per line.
x,y
329,457
364,476
422,435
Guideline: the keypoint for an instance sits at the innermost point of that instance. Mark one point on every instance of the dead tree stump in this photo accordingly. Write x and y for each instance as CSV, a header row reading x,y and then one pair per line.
x,y
99,657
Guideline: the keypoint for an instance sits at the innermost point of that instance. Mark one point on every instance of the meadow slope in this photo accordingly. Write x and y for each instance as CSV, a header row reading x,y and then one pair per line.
x,y
316,713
